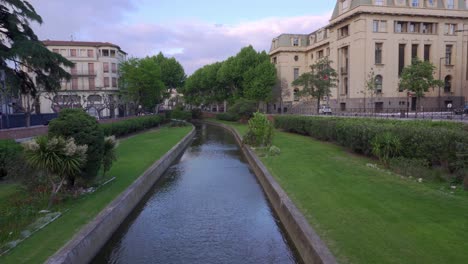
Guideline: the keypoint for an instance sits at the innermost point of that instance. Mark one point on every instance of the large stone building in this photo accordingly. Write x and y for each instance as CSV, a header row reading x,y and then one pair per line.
x,y
380,36
95,77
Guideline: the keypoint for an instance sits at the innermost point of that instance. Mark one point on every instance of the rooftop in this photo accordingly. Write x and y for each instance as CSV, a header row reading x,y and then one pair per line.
x,y
80,44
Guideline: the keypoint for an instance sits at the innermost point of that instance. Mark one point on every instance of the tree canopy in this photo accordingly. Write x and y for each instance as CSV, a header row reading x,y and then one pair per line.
x,y
249,74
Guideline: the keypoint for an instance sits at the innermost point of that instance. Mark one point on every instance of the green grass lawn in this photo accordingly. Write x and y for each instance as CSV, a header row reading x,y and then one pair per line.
x,y
7,189
365,215
135,155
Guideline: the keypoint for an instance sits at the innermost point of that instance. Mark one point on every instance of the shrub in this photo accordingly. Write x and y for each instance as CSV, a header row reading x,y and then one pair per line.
x,y
434,142
386,146
181,115
417,168
133,125
228,117
274,151
10,153
243,108
77,124
110,145
259,132
197,113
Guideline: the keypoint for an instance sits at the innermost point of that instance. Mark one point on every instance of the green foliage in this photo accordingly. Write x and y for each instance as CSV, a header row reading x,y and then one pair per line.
x,y
434,142
77,124
416,168
172,72
22,48
228,116
260,131
386,146
258,81
110,145
133,125
197,113
10,153
318,82
181,115
274,151
243,108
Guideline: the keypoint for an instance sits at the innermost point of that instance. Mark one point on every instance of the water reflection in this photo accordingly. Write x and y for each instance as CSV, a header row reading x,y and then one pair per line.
x,y
207,208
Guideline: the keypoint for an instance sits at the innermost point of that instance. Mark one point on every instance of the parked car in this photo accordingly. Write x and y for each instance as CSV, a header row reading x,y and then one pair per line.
x,y
325,110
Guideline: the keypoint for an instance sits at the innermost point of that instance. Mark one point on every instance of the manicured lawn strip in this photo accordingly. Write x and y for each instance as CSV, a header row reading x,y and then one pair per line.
x,y
365,215
135,155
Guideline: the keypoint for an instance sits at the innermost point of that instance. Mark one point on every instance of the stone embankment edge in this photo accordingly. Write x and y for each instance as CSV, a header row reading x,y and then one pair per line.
x,y
90,239
307,242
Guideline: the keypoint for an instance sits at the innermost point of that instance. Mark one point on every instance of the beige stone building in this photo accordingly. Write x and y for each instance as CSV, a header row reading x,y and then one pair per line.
x,y
380,36
95,77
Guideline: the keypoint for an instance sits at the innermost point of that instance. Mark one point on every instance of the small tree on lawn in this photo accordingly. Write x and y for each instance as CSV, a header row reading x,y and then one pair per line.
x,y
110,145
57,157
369,88
318,82
418,78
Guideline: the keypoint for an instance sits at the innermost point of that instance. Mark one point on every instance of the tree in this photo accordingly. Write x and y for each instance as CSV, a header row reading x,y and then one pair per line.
x,y
280,92
110,145
60,159
258,82
77,124
141,82
418,78
369,88
172,73
22,52
318,82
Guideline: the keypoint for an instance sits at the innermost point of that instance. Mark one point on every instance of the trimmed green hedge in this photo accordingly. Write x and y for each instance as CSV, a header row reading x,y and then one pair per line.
x,y
128,126
435,142
228,116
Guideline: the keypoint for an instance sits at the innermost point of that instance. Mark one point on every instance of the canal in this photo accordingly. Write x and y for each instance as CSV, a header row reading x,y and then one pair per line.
x,y
206,208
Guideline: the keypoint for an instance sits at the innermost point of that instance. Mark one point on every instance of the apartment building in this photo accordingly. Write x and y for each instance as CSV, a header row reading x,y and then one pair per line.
x,y
94,82
382,36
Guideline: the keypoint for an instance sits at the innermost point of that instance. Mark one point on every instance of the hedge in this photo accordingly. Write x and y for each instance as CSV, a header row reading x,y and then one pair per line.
x,y
128,126
435,142
228,116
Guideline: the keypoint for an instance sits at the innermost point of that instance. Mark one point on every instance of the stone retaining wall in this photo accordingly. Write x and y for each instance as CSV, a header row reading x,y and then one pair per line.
x,y
309,245
90,239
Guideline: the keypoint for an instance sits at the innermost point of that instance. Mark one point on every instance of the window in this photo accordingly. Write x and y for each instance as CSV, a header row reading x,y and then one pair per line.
x,y
379,26
106,66
90,53
379,2
401,27
430,3
92,83
320,54
378,53
401,58
112,53
295,42
275,61
83,53
378,84
72,52
106,81
448,54
74,83
448,84
105,53
114,68
450,29
346,86
343,107
56,50
296,73
114,82
91,68
427,52
415,3
74,71
296,94
296,58
344,31
428,28
414,51
450,4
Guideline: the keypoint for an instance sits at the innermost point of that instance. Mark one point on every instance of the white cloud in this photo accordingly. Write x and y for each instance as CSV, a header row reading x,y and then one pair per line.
x,y
193,43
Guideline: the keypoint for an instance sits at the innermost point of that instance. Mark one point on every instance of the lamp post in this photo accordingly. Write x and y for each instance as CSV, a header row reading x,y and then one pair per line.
x,y
440,76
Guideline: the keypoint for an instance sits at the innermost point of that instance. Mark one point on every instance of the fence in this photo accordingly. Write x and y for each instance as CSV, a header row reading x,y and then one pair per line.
x,y
395,113
19,120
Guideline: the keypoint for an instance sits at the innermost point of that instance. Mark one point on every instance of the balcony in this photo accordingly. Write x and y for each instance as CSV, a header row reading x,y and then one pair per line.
x,y
88,73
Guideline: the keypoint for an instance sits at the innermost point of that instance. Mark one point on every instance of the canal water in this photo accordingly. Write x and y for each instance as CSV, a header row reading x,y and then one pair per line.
x,y
206,208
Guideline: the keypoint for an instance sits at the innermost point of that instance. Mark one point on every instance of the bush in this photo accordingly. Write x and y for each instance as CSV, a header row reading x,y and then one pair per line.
x,y
197,113
77,124
243,108
435,142
259,132
274,151
416,168
386,146
228,117
133,125
181,115
10,154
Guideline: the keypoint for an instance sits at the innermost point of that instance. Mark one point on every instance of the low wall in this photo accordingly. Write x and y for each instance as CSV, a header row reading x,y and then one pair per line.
x,y
309,245
90,239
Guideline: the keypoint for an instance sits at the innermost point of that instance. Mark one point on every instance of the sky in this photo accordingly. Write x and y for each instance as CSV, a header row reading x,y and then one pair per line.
x,y
196,33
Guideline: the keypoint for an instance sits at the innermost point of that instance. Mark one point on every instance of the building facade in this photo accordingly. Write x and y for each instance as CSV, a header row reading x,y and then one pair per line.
x,y
380,36
94,78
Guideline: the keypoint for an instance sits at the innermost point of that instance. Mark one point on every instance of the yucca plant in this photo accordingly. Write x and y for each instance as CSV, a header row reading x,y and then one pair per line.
x,y
57,158
110,145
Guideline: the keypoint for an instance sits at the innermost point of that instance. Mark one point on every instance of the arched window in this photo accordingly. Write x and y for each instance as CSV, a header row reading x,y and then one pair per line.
x,y
94,98
378,83
296,94
448,84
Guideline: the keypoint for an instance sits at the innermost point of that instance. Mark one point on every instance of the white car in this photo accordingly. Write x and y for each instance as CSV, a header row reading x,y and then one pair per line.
x,y
325,110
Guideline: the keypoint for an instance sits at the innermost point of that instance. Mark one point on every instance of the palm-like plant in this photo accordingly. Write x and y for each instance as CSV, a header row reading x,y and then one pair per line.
x,y
57,157
109,156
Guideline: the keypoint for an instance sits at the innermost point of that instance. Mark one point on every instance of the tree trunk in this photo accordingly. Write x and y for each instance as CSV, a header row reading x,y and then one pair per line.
x,y
55,190
318,105
416,107
27,118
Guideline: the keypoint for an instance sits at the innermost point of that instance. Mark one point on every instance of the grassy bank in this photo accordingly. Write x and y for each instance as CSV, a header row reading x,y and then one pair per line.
x,y
135,155
367,215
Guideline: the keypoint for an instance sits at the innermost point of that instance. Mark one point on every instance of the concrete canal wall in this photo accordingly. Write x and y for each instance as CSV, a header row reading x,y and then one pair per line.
x,y
91,238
